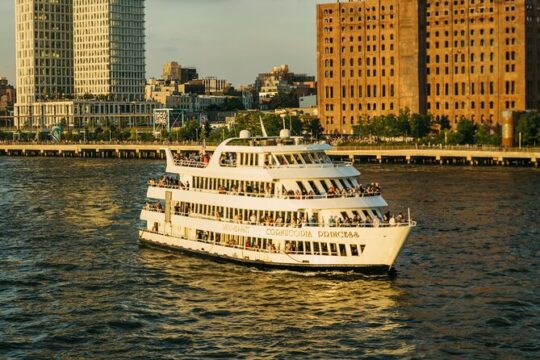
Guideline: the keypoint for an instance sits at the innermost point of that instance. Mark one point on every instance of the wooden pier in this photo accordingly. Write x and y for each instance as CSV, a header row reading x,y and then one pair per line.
x,y
438,156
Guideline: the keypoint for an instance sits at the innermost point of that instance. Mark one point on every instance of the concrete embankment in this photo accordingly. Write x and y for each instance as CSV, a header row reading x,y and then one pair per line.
x,y
444,156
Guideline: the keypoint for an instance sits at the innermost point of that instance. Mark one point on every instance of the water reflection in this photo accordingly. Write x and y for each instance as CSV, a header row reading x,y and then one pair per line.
x,y
310,310
74,282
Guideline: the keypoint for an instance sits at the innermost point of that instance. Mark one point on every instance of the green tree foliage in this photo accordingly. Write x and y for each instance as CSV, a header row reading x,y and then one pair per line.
x,y
391,126
464,133
529,127
233,104
420,125
190,131
444,123
283,100
486,135
312,126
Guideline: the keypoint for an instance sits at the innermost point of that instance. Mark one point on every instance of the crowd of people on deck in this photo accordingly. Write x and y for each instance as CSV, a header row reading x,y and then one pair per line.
x,y
247,190
298,221
228,159
156,206
166,182
231,241
199,159
372,189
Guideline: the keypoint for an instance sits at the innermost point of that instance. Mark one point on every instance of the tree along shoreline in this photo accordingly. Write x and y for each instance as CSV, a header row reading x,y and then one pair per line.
x,y
405,129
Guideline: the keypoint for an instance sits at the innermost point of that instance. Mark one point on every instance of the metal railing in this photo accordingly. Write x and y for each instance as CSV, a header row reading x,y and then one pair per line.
x,y
333,164
405,223
229,244
267,195
190,163
434,147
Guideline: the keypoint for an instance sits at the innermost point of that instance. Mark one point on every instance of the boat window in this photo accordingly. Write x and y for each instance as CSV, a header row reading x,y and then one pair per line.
x,y
298,159
324,158
308,248
354,250
333,249
335,184
289,159
324,185
268,160
300,248
366,214
228,159
306,158
342,250
314,187
324,249
302,187
316,248
345,183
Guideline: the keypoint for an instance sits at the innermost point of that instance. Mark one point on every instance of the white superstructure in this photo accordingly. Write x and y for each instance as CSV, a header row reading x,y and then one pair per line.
x,y
273,202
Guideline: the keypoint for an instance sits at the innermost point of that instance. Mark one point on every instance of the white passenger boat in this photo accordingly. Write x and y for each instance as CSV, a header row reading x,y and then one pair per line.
x,y
273,202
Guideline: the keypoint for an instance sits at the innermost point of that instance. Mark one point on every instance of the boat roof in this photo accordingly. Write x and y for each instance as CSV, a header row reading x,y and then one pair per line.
x,y
260,144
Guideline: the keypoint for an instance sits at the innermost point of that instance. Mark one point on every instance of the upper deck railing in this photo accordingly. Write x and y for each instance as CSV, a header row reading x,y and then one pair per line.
x,y
360,224
333,164
190,163
270,195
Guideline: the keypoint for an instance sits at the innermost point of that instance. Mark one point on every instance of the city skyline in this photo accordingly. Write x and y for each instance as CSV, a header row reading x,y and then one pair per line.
x,y
256,39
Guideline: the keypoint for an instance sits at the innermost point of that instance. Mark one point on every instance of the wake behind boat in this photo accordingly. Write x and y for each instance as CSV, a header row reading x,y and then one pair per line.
x,y
273,202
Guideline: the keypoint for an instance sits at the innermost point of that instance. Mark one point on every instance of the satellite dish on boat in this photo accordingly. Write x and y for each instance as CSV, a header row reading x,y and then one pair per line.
x,y
245,134
285,133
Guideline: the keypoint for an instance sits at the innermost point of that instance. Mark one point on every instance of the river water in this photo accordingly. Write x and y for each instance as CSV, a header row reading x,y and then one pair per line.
x,y
74,282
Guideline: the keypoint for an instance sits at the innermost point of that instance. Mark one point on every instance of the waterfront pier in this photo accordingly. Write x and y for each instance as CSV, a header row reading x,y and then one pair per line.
x,y
441,156
123,151
436,156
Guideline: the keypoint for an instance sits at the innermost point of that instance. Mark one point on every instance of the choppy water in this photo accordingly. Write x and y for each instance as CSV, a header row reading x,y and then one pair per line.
x,y
74,282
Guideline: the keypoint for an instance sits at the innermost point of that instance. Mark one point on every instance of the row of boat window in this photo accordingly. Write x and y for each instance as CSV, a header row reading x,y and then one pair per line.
x,y
233,159
268,218
295,247
315,187
218,184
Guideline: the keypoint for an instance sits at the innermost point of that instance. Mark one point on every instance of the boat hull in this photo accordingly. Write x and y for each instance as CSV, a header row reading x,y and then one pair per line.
x,y
172,244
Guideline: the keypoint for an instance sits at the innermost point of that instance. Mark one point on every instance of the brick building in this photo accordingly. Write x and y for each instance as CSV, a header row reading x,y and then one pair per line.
x,y
482,58
461,58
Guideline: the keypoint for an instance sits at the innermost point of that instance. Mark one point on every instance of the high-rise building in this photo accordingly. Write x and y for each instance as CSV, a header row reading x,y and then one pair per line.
x,y
461,59
89,50
109,48
44,49
369,54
